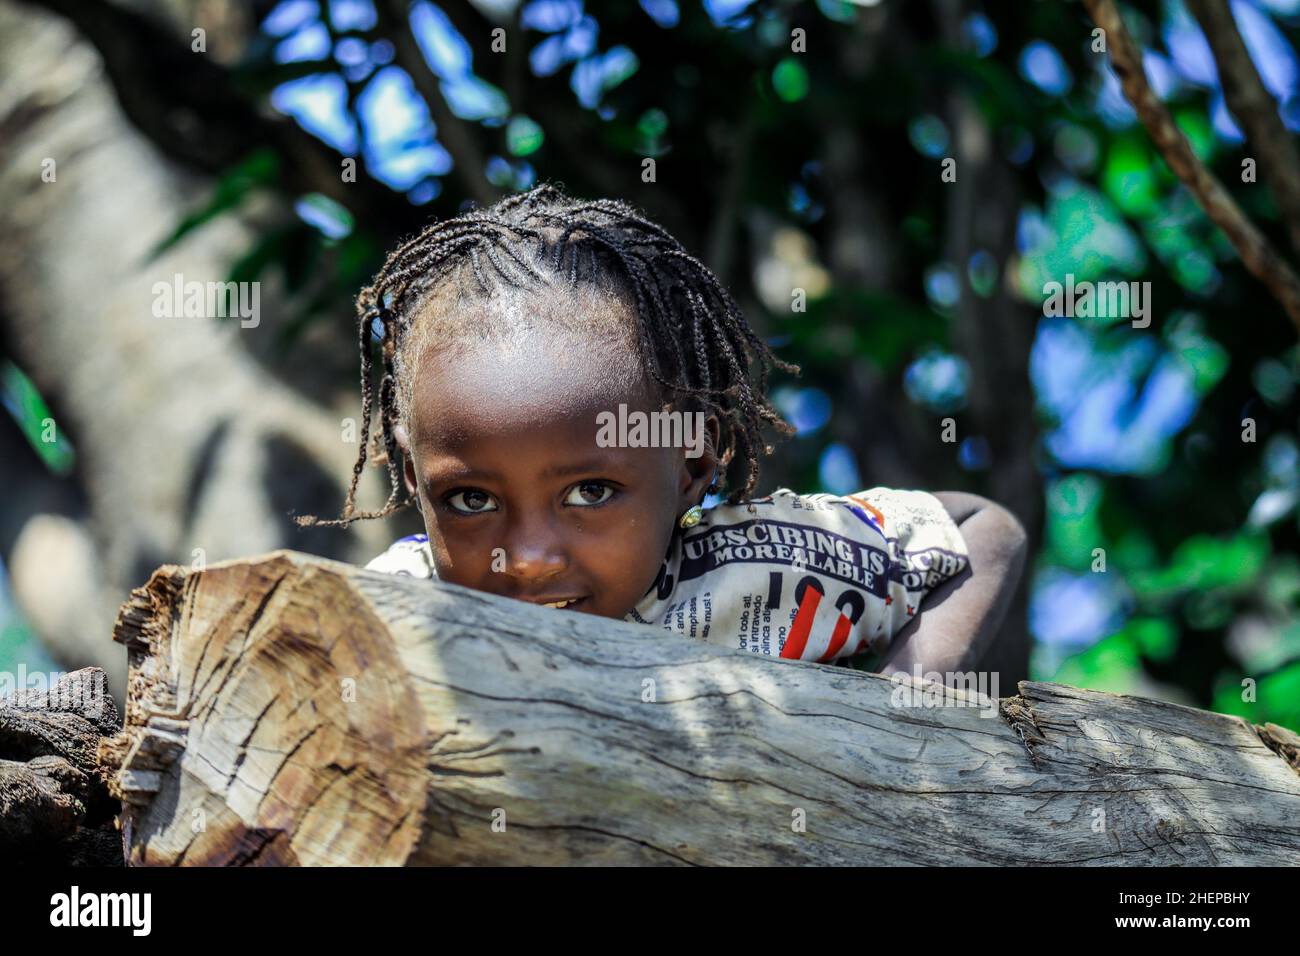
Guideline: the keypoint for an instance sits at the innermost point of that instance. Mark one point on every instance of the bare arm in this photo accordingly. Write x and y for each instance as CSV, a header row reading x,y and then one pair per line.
x,y
960,617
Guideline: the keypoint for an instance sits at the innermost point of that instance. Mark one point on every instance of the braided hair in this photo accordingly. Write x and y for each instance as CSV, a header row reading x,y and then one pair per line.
x,y
690,334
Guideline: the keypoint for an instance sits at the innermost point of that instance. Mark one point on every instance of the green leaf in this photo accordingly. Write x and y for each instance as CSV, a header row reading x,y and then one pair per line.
x,y
790,80
1155,637
1127,178
523,136
20,396
1208,361
260,168
651,128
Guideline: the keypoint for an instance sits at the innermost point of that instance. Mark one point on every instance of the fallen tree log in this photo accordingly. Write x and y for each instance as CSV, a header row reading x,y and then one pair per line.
x,y
55,805
292,710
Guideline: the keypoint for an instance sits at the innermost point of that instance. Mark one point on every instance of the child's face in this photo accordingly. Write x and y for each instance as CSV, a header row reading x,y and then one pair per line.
x,y
517,496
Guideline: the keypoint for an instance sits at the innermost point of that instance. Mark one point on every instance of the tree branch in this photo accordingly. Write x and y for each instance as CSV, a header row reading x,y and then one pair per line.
x,y
1257,253
1255,109
588,737
455,134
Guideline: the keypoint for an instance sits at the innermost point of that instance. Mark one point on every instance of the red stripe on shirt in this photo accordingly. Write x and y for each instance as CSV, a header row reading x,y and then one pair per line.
x,y
841,634
803,621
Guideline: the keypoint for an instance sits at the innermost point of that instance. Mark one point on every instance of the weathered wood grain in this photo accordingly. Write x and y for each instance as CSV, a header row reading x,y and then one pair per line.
x,y
287,709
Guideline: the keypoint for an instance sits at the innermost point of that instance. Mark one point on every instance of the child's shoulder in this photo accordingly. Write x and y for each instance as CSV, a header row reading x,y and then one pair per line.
x,y
888,511
409,556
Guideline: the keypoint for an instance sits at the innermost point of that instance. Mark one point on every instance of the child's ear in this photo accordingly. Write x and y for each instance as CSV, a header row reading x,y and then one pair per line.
x,y
697,472
408,462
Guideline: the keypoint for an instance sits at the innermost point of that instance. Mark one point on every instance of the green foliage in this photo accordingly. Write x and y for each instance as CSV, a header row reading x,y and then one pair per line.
x,y
1206,358
1112,664
20,396
790,80
1277,696
523,136
1128,176
1207,564
1093,242
260,169
1073,527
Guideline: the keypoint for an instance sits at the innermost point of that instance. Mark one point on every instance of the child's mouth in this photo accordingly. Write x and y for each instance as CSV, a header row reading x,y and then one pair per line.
x,y
566,603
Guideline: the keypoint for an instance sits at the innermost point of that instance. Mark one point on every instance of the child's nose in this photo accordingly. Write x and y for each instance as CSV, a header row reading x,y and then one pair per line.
x,y
534,551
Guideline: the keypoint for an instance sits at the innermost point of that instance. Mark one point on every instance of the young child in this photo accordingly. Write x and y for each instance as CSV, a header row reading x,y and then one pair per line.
x,y
512,336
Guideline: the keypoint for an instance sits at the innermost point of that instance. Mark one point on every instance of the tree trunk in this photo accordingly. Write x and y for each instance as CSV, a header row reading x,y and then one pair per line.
x,y
290,709
187,448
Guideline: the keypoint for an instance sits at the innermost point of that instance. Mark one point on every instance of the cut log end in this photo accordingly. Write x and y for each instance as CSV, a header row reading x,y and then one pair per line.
x,y
292,712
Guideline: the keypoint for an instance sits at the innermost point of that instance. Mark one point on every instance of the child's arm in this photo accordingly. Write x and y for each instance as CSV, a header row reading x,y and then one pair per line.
x,y
960,617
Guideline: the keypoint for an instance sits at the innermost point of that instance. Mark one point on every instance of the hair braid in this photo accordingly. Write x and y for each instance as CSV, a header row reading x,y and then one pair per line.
x,y
693,338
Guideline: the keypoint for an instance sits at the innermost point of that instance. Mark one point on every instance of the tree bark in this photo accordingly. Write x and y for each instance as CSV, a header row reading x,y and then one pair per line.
x,y
292,710
55,807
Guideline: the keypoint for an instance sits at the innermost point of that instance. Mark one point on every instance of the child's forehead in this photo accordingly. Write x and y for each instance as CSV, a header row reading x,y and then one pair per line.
x,y
523,382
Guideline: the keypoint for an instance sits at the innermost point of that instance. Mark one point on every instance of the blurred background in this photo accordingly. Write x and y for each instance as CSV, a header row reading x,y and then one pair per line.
x,y
209,138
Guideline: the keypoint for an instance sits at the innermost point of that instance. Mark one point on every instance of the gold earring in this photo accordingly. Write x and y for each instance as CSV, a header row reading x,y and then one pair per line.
x,y
692,517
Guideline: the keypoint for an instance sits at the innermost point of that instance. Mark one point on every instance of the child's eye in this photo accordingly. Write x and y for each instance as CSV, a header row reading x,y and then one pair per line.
x,y
472,502
589,493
